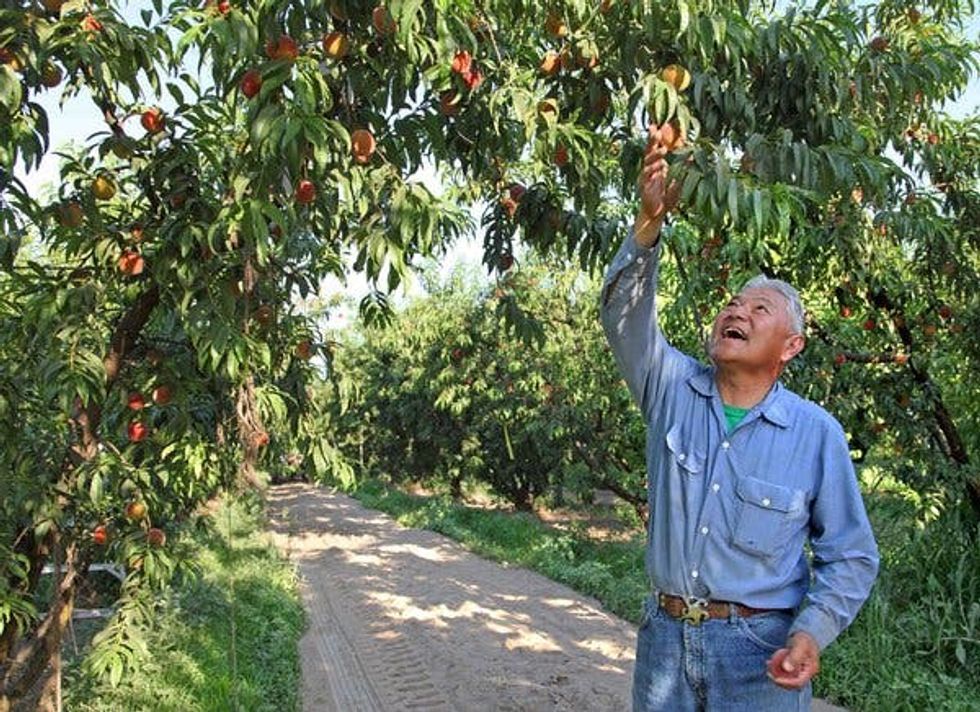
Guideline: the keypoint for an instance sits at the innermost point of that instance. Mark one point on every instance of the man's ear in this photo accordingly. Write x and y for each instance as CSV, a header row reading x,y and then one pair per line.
x,y
794,344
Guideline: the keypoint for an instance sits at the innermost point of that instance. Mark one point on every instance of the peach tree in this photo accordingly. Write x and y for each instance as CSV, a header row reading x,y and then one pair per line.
x,y
251,149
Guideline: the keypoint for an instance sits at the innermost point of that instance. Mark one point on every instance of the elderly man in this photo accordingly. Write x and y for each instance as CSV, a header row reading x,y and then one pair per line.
x,y
741,474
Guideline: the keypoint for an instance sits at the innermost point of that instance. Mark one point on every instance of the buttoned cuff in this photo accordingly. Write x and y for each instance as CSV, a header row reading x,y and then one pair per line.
x,y
821,626
628,269
630,252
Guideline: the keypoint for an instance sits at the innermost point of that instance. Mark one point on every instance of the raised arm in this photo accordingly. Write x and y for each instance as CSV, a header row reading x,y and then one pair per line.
x,y
628,309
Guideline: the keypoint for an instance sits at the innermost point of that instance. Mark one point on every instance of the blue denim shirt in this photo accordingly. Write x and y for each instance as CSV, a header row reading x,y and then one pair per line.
x,y
730,512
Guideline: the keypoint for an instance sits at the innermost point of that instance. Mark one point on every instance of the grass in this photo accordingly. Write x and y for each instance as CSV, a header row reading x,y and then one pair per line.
x,y
224,640
915,646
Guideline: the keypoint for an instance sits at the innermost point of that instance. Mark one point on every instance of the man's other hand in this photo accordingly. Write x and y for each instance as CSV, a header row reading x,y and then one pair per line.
x,y
794,666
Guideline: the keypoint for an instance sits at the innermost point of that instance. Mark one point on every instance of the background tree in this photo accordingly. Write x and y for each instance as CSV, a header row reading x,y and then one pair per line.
x,y
450,393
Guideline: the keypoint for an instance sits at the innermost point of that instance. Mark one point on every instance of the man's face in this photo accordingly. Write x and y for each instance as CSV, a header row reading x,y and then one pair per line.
x,y
754,330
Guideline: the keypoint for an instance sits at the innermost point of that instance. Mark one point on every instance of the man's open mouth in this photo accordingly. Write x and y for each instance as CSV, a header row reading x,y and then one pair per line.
x,y
733,332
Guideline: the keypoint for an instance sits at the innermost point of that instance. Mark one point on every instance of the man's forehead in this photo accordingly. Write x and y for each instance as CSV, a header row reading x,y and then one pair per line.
x,y
762,294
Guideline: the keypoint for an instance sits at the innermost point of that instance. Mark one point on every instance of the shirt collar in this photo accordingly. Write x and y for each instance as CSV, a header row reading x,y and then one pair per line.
x,y
771,408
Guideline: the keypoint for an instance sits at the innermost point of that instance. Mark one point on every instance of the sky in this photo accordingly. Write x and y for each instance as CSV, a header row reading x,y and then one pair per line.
x,y
78,119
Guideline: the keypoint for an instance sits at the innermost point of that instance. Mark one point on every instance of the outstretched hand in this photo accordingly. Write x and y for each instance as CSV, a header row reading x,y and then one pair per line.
x,y
656,196
794,666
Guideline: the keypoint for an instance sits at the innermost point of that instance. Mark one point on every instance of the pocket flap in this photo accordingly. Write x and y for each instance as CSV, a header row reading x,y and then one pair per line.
x,y
767,495
683,453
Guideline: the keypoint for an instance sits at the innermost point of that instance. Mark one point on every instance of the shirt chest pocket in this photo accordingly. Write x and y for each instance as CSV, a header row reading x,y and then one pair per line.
x,y
682,453
765,516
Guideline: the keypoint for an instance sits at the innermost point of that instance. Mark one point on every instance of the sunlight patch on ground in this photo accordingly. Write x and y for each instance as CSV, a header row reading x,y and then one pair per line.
x,y
610,648
313,542
518,635
364,559
423,552
512,598
576,609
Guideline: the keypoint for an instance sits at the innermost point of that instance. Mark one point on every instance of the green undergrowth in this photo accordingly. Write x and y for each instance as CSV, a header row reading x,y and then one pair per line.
x,y
914,647
916,644
226,639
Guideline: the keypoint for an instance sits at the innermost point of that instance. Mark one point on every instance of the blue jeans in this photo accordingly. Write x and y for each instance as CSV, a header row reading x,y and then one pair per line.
x,y
718,666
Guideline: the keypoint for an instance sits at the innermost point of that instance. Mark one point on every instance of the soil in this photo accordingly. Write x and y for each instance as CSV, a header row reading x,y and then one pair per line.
x,y
406,619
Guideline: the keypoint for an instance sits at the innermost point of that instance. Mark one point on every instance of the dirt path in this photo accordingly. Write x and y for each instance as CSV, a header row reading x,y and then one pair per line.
x,y
406,619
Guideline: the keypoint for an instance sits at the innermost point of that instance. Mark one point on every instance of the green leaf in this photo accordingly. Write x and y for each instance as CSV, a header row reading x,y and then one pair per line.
x,y
95,488
115,671
263,123
691,179
685,17
11,93
757,210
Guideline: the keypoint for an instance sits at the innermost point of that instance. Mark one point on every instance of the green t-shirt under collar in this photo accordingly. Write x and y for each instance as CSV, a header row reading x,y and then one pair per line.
x,y
734,415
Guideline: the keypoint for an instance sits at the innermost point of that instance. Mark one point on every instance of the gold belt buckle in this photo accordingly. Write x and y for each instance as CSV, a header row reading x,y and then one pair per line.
x,y
695,610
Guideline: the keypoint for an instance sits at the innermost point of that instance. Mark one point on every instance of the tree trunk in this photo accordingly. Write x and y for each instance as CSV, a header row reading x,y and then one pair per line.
x,y
523,501
28,680
456,487
637,501
251,433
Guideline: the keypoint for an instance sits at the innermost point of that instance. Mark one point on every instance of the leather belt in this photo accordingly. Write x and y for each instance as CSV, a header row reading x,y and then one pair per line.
x,y
697,610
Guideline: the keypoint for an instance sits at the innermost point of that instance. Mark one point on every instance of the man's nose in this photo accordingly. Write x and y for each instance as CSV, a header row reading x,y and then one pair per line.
x,y
738,311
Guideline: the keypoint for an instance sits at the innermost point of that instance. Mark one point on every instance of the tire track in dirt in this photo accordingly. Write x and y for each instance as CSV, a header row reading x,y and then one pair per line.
x,y
336,656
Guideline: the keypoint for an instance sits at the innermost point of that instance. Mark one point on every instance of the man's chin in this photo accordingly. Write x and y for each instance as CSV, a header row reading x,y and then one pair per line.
x,y
724,351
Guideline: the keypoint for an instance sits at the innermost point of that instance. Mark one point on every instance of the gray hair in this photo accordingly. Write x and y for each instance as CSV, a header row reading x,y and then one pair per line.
x,y
793,303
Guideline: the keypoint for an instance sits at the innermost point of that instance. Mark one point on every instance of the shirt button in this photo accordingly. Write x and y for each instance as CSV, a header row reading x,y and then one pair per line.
x,y
629,256
715,487
694,574
766,501
682,457
726,445
704,530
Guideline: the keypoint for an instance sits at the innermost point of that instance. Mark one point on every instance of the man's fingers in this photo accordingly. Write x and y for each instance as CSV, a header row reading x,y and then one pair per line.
x,y
655,140
796,659
803,652
657,165
653,135
653,155
655,169
652,173
794,666
788,674
791,682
